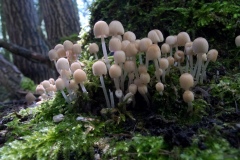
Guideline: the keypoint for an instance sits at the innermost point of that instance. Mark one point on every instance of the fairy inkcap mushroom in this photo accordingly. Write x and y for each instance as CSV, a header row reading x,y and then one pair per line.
x,y
186,81
60,85
159,87
156,36
40,89
58,46
75,66
93,49
237,41
101,30
76,49
129,36
115,44
188,97
171,41
79,77
115,72
116,28
99,69
165,48
30,98
163,65
182,38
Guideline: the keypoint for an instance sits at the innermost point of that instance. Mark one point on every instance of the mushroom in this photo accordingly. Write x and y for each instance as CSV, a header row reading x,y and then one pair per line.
x,y
142,89
68,45
188,50
116,28
53,56
186,81
30,98
237,41
75,66
76,50
93,49
159,87
156,36
171,41
40,89
99,69
115,44
179,57
188,97
60,85
130,36
79,77
129,66
101,30
115,72
200,46
163,65
143,46
165,48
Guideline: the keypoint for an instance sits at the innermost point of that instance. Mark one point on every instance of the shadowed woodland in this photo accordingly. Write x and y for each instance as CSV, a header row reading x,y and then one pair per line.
x,y
174,95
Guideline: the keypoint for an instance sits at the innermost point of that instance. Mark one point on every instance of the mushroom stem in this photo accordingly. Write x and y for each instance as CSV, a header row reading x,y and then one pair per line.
x,y
187,64
157,69
163,75
122,80
96,56
65,97
199,68
105,91
140,58
55,63
83,88
111,98
180,67
204,71
171,51
105,52
146,99
191,63
193,73
190,107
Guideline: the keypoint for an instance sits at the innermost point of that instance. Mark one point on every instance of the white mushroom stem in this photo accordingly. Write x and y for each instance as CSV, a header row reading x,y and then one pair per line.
x,y
140,58
105,91
179,66
187,63
147,61
83,88
96,56
193,73
111,98
204,71
157,69
122,80
163,75
105,52
136,68
65,96
191,63
199,67
55,63
171,51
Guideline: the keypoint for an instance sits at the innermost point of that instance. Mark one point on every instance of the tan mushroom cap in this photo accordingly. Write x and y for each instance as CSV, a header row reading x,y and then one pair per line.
x,y
186,81
130,36
170,60
165,48
68,45
182,38
159,87
155,35
144,44
171,40
237,41
52,54
116,28
45,84
115,44
51,81
179,56
129,66
115,71
142,68
30,98
61,52
119,57
142,89
75,66
188,96
58,46
40,89
164,63
66,73
77,49
204,57
200,45
79,76
62,64
60,84
132,88
212,55
93,48
145,78
73,85
100,29
124,44
131,49
99,68
153,52
188,48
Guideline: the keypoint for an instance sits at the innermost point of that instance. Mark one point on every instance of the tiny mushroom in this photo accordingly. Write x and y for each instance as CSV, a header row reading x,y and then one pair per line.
x,y
93,49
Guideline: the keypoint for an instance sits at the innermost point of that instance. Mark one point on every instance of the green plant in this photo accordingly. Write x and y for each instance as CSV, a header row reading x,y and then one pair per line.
x,y
27,84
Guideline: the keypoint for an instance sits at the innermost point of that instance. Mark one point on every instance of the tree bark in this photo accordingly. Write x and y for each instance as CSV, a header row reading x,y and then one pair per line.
x,y
21,22
60,18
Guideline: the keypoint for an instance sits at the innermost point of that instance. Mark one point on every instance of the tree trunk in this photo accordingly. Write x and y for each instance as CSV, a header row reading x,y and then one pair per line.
x,y
21,22
60,18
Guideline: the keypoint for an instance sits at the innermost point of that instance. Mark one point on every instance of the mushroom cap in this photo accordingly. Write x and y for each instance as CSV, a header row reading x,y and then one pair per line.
x,y
137,43
155,35
129,66
186,81
200,45
79,76
119,57
62,64
145,78
188,96
237,41
212,55
188,48
182,38
129,36
75,66
61,52
142,89
170,60
179,56
45,84
100,29
142,68
99,68
124,44
52,54
132,88
93,48
51,88
73,85
66,74
115,71
131,49
115,44
165,48
171,41
159,87
204,57
77,49
153,52
51,81
68,45
40,89
144,44
164,63
58,46
116,28
60,84
30,98
118,36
